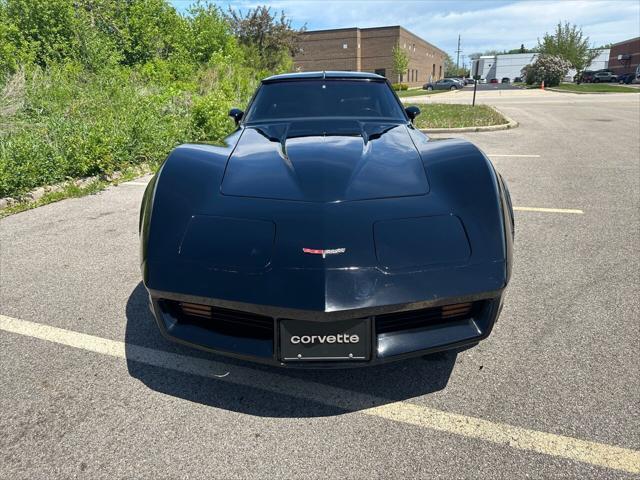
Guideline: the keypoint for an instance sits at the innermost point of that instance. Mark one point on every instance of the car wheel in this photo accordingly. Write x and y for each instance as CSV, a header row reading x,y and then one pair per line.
x,y
452,88
429,88
595,80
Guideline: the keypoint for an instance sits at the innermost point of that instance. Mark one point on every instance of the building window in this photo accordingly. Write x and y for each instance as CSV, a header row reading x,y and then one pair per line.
x,y
440,72
434,70
344,45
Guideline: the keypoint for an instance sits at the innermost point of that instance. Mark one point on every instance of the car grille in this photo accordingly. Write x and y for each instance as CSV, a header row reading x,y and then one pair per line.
x,y
251,325
223,320
425,317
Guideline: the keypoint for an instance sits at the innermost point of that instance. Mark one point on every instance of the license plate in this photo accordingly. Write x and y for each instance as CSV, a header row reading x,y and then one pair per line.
x,y
343,340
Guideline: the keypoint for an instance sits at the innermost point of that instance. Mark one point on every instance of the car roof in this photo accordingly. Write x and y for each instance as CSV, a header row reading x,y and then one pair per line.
x,y
323,74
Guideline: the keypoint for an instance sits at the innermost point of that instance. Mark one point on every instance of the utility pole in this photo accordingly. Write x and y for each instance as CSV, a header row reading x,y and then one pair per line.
x,y
458,53
475,64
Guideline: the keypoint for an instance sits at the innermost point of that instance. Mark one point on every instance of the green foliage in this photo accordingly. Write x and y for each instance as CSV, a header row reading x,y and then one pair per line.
x,y
210,33
77,124
398,87
400,61
569,43
450,69
88,87
522,49
596,88
440,115
44,30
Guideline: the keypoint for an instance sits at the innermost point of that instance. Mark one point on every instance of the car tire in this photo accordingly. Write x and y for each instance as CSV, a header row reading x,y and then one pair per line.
x,y
453,88
595,80
429,88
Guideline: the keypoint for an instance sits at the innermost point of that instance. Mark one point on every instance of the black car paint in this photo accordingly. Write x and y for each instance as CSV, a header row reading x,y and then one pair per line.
x,y
299,197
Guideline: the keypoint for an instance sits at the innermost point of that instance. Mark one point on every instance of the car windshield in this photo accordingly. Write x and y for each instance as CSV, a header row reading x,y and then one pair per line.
x,y
325,98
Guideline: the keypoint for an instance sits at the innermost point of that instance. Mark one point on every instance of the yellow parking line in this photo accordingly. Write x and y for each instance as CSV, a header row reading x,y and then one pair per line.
x,y
585,451
548,210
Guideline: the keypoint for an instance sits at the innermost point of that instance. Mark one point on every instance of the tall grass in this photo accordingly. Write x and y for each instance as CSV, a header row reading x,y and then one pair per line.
x,y
66,122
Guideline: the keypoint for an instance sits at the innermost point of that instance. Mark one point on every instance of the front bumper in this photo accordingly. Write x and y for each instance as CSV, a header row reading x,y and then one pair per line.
x,y
251,332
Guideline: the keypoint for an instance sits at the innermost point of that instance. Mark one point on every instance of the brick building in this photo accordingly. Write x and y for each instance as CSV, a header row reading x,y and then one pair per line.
x,y
370,50
624,57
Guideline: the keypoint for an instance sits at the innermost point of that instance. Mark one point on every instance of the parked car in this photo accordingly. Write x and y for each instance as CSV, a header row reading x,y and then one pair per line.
x,y
444,84
463,80
367,244
493,80
604,76
626,78
505,80
517,79
584,77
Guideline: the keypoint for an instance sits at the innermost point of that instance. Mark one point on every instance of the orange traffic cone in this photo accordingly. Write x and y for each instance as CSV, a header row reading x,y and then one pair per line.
x,y
542,85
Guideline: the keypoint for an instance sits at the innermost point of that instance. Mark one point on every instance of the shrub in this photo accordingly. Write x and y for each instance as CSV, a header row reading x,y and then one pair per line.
x,y
76,124
400,86
548,68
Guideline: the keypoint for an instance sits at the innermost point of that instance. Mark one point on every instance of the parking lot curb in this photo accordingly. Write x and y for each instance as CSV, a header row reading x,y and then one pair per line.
x,y
488,128
590,93
32,197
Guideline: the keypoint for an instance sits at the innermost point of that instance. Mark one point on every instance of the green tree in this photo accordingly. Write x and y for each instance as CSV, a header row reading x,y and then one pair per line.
x,y
43,29
269,38
569,43
523,49
148,29
10,54
211,33
450,69
400,61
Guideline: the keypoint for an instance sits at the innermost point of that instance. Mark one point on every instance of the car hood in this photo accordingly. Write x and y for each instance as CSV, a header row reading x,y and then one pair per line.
x,y
314,161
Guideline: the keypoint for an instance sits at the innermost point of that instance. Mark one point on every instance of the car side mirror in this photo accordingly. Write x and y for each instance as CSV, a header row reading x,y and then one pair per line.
x,y
236,114
412,112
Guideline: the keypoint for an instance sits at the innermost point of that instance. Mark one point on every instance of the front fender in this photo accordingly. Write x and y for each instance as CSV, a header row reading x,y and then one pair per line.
x,y
462,174
189,178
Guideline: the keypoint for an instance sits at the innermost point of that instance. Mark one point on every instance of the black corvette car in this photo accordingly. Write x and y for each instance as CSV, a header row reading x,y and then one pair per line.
x,y
326,231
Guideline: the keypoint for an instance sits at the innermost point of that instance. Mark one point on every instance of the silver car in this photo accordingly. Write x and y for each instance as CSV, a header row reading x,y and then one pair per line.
x,y
444,84
604,76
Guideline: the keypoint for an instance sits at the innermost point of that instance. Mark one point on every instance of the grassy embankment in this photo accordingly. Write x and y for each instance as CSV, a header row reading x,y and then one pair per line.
x,y
595,88
418,92
104,99
441,115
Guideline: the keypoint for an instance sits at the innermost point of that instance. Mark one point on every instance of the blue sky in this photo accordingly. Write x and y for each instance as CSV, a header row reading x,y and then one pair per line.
x,y
483,24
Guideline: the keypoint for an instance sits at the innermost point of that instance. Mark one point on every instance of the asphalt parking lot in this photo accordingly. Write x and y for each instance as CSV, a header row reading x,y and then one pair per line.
x,y
91,389
493,86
